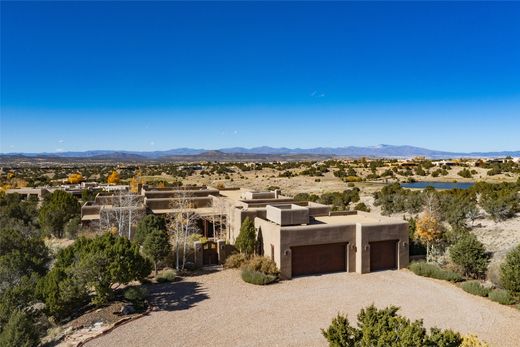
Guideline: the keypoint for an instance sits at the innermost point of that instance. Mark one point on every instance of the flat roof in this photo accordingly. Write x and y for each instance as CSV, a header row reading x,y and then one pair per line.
x,y
232,194
357,218
90,217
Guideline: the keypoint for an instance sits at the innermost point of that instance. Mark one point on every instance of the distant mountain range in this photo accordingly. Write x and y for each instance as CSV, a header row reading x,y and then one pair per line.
x,y
241,153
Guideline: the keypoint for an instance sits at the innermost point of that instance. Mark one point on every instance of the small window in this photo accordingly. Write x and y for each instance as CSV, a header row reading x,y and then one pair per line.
x,y
272,252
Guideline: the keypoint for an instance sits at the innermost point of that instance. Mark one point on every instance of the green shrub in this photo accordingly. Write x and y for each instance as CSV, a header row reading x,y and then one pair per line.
x,y
257,277
470,255
136,296
510,271
235,261
362,207
262,264
20,331
501,296
166,276
384,327
434,271
475,288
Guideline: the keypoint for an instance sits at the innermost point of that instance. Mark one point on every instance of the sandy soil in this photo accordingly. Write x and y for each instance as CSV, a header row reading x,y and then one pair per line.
x,y
220,310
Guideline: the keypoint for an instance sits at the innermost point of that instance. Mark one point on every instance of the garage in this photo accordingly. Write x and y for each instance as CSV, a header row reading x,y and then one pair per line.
x,y
383,255
318,259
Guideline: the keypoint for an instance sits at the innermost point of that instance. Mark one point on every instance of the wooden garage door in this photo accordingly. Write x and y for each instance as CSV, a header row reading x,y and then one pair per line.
x,y
383,255
315,259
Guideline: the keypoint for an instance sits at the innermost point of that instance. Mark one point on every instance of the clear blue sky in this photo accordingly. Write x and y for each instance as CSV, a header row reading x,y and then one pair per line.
x,y
151,76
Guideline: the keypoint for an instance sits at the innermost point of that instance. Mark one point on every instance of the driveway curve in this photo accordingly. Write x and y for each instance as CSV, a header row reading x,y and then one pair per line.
x,y
219,309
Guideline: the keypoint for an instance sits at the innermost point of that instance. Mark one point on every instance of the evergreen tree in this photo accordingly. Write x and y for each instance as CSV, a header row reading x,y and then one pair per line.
x,y
510,271
147,225
246,239
57,210
470,255
20,331
156,247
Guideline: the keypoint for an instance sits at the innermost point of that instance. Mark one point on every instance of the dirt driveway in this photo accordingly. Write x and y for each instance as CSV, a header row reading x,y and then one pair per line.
x,y
220,310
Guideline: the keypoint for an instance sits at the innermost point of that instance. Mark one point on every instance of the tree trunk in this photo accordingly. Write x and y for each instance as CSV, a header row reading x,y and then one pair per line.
x,y
155,267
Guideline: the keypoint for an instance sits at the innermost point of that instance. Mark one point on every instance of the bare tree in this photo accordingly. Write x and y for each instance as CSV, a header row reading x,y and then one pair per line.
x,y
182,224
220,218
125,210
431,203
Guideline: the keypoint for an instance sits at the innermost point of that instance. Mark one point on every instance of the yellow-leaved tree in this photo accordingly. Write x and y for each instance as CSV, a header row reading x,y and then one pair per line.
x,y
75,178
113,178
136,181
428,230
472,341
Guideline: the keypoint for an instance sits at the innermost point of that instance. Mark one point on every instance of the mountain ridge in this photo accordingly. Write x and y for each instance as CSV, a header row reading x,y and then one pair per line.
x,y
379,151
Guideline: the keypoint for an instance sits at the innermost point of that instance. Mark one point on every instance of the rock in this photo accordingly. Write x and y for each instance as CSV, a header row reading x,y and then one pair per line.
x,y
127,309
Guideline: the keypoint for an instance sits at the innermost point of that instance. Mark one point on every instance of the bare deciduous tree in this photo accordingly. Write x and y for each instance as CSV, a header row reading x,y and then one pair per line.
x,y
123,214
181,224
220,218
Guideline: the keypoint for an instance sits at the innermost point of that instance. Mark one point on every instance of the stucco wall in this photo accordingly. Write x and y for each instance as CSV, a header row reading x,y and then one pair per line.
x,y
366,233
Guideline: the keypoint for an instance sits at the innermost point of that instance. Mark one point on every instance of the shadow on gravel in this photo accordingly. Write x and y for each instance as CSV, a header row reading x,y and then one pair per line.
x,y
174,296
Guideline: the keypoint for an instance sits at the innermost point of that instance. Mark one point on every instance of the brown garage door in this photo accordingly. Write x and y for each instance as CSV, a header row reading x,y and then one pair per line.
x,y
307,260
383,255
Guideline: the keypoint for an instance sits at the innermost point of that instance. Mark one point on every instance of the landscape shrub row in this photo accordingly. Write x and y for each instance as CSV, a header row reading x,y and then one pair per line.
x,y
475,288
434,271
501,296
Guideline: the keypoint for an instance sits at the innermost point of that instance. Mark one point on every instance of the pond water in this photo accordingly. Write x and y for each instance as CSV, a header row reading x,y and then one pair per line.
x,y
438,185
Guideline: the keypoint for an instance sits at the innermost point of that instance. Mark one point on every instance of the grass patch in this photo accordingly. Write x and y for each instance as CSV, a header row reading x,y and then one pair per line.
x,y
475,288
166,276
501,296
434,271
257,277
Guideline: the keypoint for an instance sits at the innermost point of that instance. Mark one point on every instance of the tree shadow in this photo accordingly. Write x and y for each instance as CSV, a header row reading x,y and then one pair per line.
x,y
175,296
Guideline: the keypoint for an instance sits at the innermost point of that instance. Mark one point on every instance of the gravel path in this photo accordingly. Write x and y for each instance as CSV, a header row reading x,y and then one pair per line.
x,y
220,310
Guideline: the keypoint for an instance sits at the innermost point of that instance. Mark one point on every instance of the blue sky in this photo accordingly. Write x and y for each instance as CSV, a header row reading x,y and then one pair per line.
x,y
152,76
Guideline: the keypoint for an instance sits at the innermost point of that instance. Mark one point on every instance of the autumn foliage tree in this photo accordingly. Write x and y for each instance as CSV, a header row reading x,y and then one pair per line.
x,y
113,178
136,181
428,229
75,178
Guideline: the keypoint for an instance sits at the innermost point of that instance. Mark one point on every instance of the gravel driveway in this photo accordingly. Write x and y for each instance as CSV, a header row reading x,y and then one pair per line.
x,y
219,309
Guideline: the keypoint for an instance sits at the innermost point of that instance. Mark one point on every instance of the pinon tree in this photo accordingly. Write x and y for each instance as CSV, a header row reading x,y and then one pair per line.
x,y
156,247
428,230
57,210
113,178
148,224
470,255
510,271
384,327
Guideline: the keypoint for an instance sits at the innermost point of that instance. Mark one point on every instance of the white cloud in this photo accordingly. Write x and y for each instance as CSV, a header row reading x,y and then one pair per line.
x,y
61,141
152,143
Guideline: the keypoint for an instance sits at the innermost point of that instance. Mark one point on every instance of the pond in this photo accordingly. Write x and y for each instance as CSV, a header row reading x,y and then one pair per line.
x,y
438,185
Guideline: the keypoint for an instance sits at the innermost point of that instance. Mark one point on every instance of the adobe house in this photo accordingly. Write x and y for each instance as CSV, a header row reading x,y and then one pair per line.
x,y
305,238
